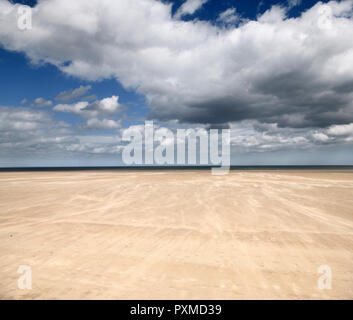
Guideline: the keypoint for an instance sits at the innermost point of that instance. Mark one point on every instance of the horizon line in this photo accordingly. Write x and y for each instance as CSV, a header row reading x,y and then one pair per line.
x,y
180,167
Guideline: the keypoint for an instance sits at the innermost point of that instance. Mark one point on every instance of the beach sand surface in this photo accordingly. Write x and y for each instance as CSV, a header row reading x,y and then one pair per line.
x,y
177,234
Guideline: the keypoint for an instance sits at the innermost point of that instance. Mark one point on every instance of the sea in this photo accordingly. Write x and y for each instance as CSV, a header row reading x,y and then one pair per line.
x,y
149,168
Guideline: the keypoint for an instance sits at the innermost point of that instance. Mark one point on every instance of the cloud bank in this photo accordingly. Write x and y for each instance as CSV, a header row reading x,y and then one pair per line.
x,y
295,72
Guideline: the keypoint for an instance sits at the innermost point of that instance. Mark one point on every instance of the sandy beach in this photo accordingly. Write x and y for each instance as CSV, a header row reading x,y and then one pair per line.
x,y
176,234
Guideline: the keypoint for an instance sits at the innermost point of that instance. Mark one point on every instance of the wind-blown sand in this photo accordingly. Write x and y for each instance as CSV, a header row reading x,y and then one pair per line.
x,y
176,234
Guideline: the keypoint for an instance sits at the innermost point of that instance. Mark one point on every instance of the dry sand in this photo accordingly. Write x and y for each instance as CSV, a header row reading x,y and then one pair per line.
x,y
176,234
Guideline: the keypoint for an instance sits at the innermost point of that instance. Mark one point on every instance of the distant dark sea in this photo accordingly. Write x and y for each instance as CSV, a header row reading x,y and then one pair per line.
x,y
154,168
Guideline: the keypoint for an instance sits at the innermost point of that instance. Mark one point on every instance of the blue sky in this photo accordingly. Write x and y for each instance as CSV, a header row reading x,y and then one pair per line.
x,y
224,64
47,81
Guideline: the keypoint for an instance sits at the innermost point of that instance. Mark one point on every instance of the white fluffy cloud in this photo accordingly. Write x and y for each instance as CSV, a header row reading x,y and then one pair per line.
x,y
21,119
77,108
320,137
25,131
189,7
41,103
341,130
104,124
229,16
97,108
295,72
